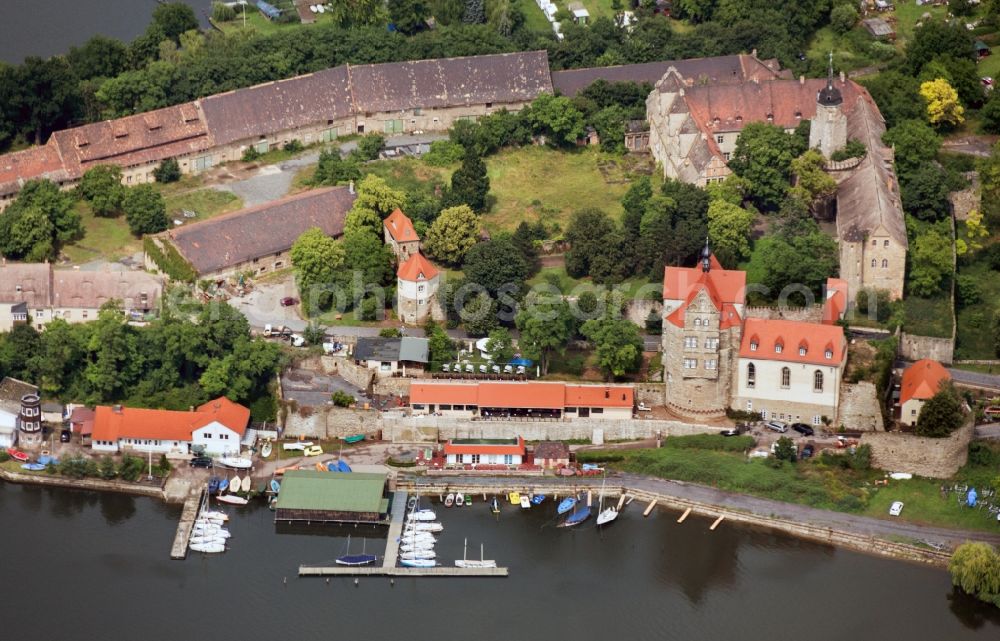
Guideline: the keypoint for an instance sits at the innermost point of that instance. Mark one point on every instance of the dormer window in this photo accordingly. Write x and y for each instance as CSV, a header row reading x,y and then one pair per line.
x,y
753,346
778,347
770,117
798,115
739,119
802,351
828,354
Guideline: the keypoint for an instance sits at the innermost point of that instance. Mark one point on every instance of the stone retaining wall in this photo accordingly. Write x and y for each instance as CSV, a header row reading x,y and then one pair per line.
x,y
913,348
811,314
859,408
931,457
96,485
650,393
331,422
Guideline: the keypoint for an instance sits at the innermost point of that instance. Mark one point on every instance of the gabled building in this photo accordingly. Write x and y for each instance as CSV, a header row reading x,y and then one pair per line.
x,y
388,356
217,427
417,283
921,381
400,235
485,451
530,400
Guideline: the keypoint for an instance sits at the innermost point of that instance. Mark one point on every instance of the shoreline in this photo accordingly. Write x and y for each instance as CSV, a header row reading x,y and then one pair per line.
x,y
866,543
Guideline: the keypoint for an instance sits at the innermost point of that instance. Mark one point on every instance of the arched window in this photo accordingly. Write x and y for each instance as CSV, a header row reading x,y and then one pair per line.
x,y
786,377
885,263
751,375
818,381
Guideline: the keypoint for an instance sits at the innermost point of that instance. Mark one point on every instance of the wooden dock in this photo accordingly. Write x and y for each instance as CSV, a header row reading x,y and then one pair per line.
x,y
374,570
192,505
395,530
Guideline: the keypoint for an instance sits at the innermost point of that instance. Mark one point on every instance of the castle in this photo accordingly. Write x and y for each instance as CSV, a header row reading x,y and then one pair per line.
x,y
694,128
715,356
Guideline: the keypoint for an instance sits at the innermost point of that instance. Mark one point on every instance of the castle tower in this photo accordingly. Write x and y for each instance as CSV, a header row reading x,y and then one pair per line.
x,y
30,420
417,282
828,130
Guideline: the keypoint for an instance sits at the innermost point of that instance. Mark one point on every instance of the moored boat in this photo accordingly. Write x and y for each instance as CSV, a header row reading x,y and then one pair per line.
x,y
525,503
537,499
472,563
235,462
423,515
232,500
247,483
32,467
459,500
607,516
235,484
468,499
354,438
423,527
418,563
216,514
514,498
495,505
275,486
223,485
418,554
566,505
17,455
449,500
578,516
416,546
213,485
265,449
208,548
342,466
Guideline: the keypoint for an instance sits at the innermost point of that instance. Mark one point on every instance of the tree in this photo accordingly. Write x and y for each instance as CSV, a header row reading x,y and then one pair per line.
x,y
784,263
367,255
943,107
332,169
370,146
989,115
937,38
496,265
102,187
975,568
729,230
843,17
475,12
784,450
673,228
99,57
452,235
173,19
763,156
145,210
925,193
440,346
500,346
941,414
168,171
314,334
617,343
930,263
634,205
810,176
975,233
479,315
915,143
586,234
545,330
408,15
470,184
524,239
556,118
374,193
316,258
39,220
895,93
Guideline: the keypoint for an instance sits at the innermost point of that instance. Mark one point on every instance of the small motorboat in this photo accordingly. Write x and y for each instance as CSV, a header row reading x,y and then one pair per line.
x,y
416,546
449,500
275,486
468,500
423,515
213,485
355,438
45,459
514,498
495,505
215,514
236,462
537,499
423,527
525,503
17,455
566,505
418,554
578,516
265,449
235,484
607,516
222,486
459,500
247,483
208,548
232,500
342,466
33,467
418,563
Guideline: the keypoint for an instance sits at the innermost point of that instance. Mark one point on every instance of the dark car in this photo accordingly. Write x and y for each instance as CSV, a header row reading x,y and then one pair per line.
x,y
808,451
201,461
65,436
288,301
803,429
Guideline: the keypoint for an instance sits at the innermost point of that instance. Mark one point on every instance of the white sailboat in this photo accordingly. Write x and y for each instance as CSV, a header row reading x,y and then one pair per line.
x,y
235,462
417,555
232,500
419,537
416,546
605,515
423,527
208,548
418,563
472,563
424,515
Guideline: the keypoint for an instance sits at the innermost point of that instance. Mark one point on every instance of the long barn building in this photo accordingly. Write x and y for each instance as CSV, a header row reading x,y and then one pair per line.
x,y
392,98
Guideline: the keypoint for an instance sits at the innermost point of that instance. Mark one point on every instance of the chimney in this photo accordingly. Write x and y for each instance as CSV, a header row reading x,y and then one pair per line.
x,y
117,409
753,53
190,408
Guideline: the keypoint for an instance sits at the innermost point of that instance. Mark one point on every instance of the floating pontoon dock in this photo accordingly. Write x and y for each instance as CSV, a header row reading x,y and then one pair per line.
x,y
188,515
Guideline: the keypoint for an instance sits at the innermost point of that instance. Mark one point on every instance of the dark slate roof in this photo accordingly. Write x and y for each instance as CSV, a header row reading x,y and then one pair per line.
x,y
278,106
717,69
11,391
377,348
498,78
225,241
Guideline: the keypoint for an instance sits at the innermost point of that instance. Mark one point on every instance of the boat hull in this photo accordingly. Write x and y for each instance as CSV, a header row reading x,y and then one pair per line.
x,y
232,500
235,462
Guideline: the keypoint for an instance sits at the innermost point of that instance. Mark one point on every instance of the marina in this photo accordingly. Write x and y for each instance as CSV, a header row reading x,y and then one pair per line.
x,y
185,525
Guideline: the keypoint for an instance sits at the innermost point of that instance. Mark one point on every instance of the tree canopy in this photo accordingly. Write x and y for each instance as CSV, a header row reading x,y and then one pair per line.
x,y
38,222
617,343
452,235
763,156
496,265
941,414
145,210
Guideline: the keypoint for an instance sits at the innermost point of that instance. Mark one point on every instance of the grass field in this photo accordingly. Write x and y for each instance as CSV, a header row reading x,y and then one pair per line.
x,y
975,340
928,316
538,183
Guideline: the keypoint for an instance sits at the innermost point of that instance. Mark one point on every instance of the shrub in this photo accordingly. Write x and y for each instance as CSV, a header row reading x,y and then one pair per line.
x,y
969,292
250,154
4,456
444,153
169,260
167,172
370,146
710,442
293,146
222,12
131,468
342,399
599,456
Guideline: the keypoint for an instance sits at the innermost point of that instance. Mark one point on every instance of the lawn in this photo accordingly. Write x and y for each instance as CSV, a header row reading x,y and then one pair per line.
x,y
409,174
539,183
975,340
257,23
908,14
206,203
534,18
103,238
928,316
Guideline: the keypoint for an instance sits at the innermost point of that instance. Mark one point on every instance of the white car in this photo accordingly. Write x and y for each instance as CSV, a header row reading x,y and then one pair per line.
x,y
896,508
298,341
644,408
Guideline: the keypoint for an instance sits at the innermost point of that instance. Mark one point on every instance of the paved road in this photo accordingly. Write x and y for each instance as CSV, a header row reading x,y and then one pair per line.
x,y
863,525
991,381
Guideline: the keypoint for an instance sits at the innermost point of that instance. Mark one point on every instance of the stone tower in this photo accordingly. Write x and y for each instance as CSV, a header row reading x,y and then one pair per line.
x,y
828,130
30,420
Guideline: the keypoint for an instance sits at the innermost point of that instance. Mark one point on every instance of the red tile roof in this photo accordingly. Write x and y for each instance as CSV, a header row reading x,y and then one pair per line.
x,y
416,268
18,167
817,339
836,300
523,395
499,447
166,425
400,227
922,380
81,420
726,289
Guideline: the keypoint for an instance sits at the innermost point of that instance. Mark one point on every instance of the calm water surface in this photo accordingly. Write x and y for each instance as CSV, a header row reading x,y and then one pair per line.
x,y
83,566
48,27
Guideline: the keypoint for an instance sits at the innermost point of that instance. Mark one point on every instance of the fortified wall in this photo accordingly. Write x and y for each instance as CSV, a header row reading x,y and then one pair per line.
x,y
919,455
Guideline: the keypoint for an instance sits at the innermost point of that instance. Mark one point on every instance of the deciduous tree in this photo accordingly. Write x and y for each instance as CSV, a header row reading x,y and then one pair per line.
x,y
102,187
452,234
729,230
145,210
941,414
943,107
617,343
930,263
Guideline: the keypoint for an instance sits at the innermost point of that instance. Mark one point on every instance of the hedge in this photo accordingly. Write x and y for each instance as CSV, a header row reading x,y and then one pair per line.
x,y
169,260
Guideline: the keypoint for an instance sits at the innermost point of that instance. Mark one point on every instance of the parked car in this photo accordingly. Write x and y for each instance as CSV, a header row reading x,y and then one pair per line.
x,y
803,429
288,301
65,436
777,426
297,341
201,461
312,450
731,432
896,508
807,451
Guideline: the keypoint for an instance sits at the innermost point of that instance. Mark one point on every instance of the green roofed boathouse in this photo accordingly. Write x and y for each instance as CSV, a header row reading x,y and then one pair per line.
x,y
332,497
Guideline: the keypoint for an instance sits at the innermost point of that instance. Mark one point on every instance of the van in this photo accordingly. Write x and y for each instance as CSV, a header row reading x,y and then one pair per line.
x,y
777,426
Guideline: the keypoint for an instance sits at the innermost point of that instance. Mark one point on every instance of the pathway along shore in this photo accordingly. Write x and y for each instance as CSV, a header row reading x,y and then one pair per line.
x,y
896,539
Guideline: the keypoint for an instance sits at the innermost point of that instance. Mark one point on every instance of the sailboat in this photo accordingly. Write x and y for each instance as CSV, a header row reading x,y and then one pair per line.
x,y
417,537
417,555
472,563
605,515
247,483
231,499
418,563
459,499
578,516
423,527
495,505
416,546
566,505
423,515
355,559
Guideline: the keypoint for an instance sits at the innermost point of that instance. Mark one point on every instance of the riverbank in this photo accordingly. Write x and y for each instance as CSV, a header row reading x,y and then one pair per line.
x,y
95,485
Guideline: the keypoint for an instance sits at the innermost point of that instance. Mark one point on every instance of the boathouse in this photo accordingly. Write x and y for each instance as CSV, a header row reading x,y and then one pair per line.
x,y
332,497
502,451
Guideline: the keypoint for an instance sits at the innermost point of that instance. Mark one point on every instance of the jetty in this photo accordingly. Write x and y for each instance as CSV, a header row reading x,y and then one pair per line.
x,y
192,505
369,570
395,530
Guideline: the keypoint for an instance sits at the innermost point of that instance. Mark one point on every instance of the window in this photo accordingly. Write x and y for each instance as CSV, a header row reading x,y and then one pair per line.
x,y
84,313
802,351
599,410
874,262
711,363
913,412
725,155
753,346
475,459
817,420
690,363
786,377
711,343
749,406
420,301
885,263
874,243
778,347
751,375
885,244
697,322
818,381
208,435
508,459
828,354
720,139
690,342
420,288
444,407
418,406
763,414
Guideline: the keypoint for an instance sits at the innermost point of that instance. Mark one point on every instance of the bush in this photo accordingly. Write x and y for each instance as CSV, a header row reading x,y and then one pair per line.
x,y
853,149
4,456
222,12
342,399
250,154
878,301
131,468
444,153
710,442
167,172
293,146
370,146
843,17
169,260
969,292
599,456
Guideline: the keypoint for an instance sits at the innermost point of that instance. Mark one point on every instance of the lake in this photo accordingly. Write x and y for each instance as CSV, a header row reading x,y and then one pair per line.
x,y
81,565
